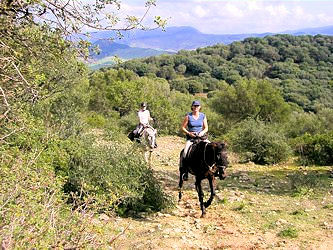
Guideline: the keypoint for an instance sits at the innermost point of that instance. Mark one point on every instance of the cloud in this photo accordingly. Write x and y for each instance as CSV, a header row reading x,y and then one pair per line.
x,y
199,11
233,11
238,16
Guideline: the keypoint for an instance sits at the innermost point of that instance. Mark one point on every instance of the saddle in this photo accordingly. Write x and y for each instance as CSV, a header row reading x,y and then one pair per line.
x,y
195,141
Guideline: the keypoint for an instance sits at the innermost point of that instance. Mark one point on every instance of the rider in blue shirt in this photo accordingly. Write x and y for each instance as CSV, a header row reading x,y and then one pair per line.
x,y
194,125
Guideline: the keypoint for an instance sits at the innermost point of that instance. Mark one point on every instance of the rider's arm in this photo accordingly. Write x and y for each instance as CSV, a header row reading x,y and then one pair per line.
x,y
205,126
184,126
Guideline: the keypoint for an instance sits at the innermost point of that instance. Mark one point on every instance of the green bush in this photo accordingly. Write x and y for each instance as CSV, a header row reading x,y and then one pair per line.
x,y
315,149
289,232
34,213
106,174
259,142
96,120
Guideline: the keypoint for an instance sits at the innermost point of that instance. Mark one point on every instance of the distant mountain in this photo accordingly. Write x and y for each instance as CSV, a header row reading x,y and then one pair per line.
x,y
184,37
173,38
109,49
327,30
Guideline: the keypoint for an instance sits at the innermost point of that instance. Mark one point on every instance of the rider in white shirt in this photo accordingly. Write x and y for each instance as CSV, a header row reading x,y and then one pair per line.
x,y
144,118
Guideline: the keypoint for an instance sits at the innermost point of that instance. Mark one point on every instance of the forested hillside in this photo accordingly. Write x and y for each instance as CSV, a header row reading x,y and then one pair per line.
x,y
300,66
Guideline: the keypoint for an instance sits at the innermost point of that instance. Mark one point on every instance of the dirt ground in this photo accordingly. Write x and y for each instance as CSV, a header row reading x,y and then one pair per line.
x,y
182,227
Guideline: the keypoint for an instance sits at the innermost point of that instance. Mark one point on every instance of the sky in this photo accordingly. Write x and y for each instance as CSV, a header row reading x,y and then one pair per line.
x,y
238,16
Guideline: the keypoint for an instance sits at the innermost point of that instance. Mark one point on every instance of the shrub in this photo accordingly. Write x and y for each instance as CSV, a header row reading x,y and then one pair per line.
x,y
290,232
104,175
259,142
96,120
315,149
33,211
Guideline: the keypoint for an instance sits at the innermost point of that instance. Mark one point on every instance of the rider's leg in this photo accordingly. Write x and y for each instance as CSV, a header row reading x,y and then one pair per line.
x,y
187,146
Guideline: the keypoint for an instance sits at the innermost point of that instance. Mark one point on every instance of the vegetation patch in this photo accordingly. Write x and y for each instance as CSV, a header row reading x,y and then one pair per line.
x,y
289,232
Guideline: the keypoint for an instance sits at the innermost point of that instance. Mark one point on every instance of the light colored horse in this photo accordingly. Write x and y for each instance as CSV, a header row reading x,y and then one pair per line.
x,y
149,142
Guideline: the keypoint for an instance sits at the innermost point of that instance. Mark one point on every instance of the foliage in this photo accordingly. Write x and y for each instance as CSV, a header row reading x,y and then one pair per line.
x,y
103,175
289,232
259,142
250,99
33,209
121,91
315,149
299,65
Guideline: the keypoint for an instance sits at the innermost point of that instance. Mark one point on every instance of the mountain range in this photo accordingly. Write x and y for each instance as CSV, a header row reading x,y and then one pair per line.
x,y
138,43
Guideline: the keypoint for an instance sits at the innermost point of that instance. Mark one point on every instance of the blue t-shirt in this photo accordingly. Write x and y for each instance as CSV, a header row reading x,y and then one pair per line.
x,y
195,125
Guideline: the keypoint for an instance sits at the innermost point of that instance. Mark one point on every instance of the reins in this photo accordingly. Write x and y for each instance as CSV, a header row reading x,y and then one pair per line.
x,y
214,162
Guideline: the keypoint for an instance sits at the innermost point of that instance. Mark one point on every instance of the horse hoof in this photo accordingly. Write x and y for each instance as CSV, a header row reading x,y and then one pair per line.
x,y
203,216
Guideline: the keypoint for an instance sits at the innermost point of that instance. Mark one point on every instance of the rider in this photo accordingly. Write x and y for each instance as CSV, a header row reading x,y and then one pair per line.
x,y
144,118
194,125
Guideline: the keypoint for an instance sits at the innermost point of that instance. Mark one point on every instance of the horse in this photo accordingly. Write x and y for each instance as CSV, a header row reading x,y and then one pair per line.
x,y
205,160
148,142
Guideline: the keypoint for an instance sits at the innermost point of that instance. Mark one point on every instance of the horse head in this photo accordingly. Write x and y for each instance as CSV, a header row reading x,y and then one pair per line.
x,y
220,151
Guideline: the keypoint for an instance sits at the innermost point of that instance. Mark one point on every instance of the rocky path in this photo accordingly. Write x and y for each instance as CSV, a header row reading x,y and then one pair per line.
x,y
182,227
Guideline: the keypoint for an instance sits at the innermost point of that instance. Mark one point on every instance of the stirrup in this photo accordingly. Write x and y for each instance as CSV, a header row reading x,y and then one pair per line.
x,y
185,176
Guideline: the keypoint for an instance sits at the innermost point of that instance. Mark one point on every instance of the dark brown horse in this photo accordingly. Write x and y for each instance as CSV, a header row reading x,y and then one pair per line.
x,y
205,160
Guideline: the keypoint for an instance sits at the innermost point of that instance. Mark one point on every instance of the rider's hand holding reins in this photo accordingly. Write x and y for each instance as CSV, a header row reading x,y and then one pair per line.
x,y
192,134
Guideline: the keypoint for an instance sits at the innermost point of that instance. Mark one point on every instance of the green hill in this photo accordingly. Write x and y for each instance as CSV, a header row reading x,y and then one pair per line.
x,y
300,66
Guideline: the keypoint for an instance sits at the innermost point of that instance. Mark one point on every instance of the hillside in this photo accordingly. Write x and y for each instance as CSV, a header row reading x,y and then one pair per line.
x,y
139,44
300,66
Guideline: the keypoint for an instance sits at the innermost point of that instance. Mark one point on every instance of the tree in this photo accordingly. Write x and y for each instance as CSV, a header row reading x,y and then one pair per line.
x,y
33,30
256,99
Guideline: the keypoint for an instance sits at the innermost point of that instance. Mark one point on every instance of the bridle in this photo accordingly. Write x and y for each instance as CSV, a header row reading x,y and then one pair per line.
x,y
210,167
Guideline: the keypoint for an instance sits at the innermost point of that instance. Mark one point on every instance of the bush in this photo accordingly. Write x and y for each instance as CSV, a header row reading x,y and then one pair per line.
x,y
33,211
103,175
315,149
259,142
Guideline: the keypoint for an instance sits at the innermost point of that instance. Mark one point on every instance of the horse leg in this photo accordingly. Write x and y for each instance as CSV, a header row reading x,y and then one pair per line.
x,y
181,173
211,181
201,196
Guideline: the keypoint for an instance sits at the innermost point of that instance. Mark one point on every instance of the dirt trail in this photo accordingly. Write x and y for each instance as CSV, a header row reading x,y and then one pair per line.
x,y
182,227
